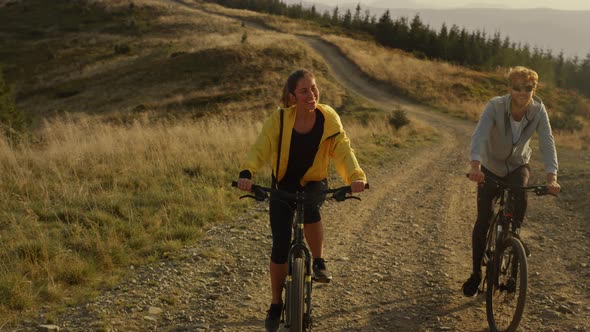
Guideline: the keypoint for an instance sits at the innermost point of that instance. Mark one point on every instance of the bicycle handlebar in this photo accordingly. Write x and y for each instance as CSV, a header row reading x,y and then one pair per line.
x,y
539,190
261,193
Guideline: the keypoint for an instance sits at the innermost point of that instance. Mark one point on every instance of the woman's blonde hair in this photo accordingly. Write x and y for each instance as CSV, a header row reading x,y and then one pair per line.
x,y
291,85
524,73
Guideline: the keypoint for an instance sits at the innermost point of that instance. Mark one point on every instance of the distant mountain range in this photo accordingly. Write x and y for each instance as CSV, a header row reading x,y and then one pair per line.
x,y
547,29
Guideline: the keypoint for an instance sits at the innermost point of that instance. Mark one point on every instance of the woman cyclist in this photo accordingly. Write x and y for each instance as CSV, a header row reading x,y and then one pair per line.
x,y
311,134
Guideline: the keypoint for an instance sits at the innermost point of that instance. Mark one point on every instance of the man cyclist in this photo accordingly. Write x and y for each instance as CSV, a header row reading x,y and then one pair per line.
x,y
500,148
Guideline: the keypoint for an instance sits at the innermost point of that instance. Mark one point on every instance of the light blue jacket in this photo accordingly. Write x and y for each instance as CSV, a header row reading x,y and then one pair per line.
x,y
491,142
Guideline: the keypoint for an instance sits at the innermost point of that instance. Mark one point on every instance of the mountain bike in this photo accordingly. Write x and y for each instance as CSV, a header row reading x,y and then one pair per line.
x,y
505,260
297,311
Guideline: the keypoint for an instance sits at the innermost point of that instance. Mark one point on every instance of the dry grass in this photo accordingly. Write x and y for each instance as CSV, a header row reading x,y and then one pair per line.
x,y
440,84
86,198
453,89
183,55
575,140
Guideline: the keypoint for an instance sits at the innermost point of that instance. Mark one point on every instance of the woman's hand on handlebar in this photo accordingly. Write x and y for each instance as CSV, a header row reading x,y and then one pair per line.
x,y
245,184
357,186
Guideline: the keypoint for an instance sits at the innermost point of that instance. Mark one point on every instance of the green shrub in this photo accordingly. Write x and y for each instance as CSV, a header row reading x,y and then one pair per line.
x,y
565,122
399,119
122,49
12,121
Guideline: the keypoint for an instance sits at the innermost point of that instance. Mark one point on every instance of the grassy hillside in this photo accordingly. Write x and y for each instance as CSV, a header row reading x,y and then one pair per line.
x,y
142,114
452,89
111,58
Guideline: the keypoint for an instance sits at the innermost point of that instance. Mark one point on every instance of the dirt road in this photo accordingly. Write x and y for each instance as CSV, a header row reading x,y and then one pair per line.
x,y
399,257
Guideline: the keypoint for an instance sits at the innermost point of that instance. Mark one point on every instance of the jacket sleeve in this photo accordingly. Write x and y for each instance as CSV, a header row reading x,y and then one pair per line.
x,y
345,161
482,132
260,152
546,142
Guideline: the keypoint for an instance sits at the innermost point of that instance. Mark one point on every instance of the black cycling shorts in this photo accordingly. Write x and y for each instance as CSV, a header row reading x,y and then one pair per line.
x,y
281,220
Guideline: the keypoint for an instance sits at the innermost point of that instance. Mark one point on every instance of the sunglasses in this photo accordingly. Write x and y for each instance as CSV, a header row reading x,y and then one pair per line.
x,y
527,88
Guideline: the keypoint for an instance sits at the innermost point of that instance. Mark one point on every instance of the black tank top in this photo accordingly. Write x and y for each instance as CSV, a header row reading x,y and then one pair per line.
x,y
302,153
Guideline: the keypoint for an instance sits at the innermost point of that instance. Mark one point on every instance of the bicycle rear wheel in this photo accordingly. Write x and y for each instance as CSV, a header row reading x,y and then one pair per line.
x,y
506,286
296,296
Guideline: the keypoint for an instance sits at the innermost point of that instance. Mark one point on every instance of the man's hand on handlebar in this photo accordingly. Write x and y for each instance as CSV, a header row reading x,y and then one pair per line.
x,y
475,173
553,188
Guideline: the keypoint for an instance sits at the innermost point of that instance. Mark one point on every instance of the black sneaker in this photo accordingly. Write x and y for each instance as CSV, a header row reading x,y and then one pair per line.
x,y
273,317
471,286
320,272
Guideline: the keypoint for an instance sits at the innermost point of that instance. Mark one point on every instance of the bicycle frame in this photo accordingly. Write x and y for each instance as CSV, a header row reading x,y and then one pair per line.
x,y
505,260
503,223
298,247
501,227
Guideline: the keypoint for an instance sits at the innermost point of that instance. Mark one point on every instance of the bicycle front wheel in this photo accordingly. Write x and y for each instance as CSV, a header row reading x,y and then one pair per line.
x,y
296,295
506,286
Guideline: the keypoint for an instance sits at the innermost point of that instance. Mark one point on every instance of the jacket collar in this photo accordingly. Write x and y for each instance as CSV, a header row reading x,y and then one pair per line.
x,y
332,125
532,110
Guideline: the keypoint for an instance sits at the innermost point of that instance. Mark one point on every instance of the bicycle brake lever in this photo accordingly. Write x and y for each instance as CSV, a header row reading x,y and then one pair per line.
x,y
352,197
260,195
339,196
256,197
540,191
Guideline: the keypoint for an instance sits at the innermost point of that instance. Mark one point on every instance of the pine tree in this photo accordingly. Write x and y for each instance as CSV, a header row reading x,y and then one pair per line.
x,y
584,80
335,16
12,121
384,30
356,19
443,43
347,19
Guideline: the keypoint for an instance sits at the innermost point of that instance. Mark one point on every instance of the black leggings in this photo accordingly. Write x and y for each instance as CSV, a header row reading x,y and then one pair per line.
x,y
281,220
486,195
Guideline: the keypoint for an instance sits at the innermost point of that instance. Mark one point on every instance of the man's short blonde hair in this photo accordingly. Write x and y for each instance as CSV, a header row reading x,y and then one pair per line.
x,y
522,73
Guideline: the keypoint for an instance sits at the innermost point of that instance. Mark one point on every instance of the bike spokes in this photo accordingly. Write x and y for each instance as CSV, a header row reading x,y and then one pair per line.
x,y
296,296
507,284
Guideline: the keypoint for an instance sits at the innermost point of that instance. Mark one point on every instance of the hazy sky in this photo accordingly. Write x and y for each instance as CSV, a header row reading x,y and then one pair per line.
x,y
555,4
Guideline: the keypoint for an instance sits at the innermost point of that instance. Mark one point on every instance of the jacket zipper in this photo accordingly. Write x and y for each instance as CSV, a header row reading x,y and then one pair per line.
x,y
514,144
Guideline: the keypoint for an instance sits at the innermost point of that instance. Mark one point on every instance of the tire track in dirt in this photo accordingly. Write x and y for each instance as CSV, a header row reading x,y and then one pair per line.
x,y
387,247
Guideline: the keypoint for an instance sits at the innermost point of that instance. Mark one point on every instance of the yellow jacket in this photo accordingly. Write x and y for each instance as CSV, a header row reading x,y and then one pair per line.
x,y
334,143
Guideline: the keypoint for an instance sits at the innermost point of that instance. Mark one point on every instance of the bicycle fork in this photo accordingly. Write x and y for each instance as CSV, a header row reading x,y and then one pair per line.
x,y
299,250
